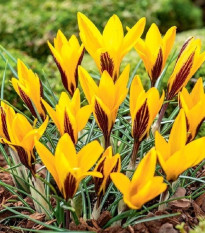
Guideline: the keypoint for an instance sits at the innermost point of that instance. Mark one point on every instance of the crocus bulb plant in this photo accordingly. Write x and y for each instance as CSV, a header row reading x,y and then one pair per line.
x,y
107,144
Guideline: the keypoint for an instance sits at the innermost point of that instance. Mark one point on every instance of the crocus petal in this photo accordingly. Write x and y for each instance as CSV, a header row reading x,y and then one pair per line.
x,y
177,139
162,146
62,152
87,83
133,35
89,34
92,151
82,116
149,161
48,159
121,181
144,195
114,28
52,114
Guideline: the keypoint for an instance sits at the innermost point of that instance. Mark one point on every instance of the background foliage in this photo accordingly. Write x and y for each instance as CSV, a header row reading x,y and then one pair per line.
x,y
25,28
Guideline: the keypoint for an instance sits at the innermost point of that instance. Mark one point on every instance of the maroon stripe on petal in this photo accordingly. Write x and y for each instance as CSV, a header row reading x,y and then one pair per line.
x,y
140,123
70,186
68,127
76,70
98,181
27,101
4,124
181,77
184,47
115,168
157,68
23,156
102,119
63,74
106,63
41,88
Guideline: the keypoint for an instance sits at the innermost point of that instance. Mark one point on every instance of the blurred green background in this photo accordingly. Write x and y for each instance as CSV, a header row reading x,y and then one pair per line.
x,y
25,27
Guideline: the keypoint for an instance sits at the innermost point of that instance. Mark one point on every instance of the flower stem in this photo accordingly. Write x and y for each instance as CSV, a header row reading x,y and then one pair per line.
x,y
67,219
75,217
161,115
107,140
134,153
163,197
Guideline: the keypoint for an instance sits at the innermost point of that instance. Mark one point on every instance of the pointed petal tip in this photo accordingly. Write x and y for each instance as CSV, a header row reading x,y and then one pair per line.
x,y
81,16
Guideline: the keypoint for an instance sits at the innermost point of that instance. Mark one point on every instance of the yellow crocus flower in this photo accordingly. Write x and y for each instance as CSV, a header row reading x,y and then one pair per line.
x,y
154,50
68,116
144,186
29,88
67,54
19,134
109,48
7,115
193,105
107,164
175,156
67,167
188,62
105,98
144,107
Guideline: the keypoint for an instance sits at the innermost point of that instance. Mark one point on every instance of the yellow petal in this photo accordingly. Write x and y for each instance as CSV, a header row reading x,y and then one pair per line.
x,y
106,90
168,41
48,160
148,164
133,35
162,146
89,155
65,151
20,127
52,114
197,148
89,34
178,134
87,83
153,39
121,85
43,127
15,84
75,102
121,181
113,33
135,90
197,92
82,116
152,188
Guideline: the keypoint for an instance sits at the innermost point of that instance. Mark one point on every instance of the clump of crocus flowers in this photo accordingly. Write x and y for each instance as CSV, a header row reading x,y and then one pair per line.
x,y
85,123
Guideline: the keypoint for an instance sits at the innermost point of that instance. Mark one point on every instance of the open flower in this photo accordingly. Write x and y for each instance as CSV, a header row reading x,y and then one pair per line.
x,y
144,186
67,54
188,62
106,98
144,107
29,88
109,48
193,105
154,50
107,164
175,156
19,134
67,167
69,117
